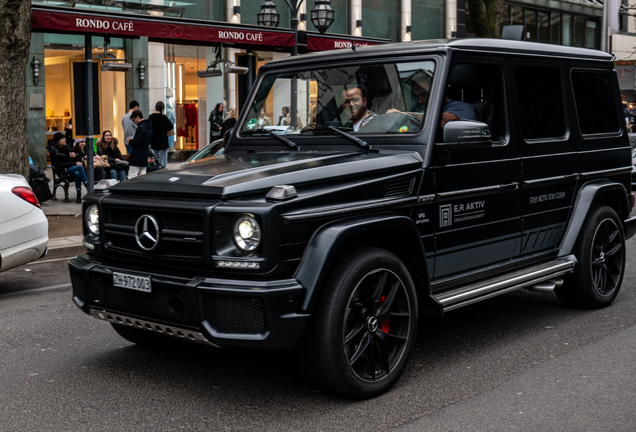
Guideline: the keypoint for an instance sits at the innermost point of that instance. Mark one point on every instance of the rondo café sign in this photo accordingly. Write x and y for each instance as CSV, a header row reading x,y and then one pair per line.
x,y
156,29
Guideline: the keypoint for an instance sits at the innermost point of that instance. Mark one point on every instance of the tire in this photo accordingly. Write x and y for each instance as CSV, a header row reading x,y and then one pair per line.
x,y
143,338
364,326
600,251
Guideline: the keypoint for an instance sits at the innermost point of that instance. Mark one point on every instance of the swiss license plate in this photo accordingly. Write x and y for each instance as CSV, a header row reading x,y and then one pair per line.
x,y
134,282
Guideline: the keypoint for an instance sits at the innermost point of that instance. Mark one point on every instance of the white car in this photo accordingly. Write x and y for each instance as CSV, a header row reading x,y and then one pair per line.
x,y
24,229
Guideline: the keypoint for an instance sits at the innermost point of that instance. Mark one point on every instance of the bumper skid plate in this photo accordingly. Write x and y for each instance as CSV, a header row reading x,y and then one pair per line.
x,y
165,330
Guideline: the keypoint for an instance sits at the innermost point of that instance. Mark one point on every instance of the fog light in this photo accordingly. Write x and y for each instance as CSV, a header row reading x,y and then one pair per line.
x,y
239,264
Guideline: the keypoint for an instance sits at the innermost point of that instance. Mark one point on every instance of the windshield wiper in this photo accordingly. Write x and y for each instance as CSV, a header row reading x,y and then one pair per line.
x,y
348,136
280,138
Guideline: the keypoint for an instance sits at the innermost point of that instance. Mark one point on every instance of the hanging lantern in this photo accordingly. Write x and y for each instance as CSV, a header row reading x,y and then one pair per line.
x,y
268,17
322,15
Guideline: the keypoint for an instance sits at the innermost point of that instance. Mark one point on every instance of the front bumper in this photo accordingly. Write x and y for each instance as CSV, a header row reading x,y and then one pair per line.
x,y
215,311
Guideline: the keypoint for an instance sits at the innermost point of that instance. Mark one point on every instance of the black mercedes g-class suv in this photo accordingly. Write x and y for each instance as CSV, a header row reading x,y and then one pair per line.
x,y
415,178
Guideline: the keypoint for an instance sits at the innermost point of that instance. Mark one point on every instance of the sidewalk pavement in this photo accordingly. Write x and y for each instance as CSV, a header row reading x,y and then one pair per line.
x,y
59,208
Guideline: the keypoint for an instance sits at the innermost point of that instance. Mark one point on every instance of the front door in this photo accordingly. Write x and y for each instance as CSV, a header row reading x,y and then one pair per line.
x,y
477,190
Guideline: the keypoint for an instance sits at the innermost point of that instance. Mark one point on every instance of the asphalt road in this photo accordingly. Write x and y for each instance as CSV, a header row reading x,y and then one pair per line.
x,y
521,361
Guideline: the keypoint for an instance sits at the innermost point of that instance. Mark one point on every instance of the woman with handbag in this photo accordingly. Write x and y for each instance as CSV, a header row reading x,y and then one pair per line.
x,y
107,146
98,162
216,120
161,128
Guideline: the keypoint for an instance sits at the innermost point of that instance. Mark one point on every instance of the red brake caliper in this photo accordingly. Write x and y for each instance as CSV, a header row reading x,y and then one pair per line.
x,y
385,323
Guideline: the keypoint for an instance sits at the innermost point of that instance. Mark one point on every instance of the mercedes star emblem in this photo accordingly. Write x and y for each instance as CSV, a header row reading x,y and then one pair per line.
x,y
147,232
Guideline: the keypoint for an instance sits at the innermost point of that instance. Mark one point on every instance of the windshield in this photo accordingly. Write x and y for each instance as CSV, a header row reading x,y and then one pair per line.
x,y
390,98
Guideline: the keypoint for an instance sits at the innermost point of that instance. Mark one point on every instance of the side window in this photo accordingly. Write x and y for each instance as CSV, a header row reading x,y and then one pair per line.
x,y
595,102
540,99
475,92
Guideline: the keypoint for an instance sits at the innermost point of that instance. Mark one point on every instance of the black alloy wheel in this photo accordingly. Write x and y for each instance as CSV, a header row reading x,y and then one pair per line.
x,y
607,257
377,325
364,326
600,252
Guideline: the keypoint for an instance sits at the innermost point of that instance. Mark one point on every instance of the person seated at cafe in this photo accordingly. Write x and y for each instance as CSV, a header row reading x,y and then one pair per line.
x,y
107,145
80,151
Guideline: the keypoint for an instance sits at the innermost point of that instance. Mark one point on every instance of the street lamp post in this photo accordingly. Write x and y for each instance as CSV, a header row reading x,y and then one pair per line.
x,y
321,16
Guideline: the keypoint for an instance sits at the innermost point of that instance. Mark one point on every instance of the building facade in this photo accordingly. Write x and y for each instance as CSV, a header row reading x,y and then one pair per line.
x,y
167,42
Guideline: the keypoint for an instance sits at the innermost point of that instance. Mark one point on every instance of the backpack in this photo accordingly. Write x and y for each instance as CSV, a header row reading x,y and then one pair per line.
x,y
39,183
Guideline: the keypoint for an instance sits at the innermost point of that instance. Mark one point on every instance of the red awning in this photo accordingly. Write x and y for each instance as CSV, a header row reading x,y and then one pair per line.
x,y
318,42
156,28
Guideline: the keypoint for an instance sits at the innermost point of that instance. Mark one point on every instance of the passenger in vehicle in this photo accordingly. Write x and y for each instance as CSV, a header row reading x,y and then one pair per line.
x,y
453,110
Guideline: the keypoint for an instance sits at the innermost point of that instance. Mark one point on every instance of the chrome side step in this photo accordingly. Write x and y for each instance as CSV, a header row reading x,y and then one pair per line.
x,y
163,329
529,277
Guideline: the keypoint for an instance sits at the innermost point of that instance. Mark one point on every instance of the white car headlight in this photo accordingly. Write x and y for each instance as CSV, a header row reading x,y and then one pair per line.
x,y
247,233
91,219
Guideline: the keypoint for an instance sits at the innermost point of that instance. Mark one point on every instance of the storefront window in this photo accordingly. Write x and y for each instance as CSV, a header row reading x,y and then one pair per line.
x,y
143,7
430,22
531,25
579,31
544,27
555,23
517,15
213,10
341,16
61,52
590,35
186,96
567,29
381,19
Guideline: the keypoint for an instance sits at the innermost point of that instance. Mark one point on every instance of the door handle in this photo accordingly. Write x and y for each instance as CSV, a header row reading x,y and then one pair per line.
x,y
509,186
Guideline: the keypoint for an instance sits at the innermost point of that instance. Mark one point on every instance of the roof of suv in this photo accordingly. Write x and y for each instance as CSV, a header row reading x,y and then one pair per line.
x,y
477,44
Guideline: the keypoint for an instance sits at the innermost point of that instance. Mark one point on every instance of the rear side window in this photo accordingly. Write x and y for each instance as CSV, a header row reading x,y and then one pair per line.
x,y
595,102
540,98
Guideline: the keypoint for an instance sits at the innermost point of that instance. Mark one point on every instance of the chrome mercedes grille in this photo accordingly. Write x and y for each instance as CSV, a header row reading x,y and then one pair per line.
x,y
180,234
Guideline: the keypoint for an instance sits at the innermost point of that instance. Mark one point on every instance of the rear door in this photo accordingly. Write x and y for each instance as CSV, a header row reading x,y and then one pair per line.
x,y
549,168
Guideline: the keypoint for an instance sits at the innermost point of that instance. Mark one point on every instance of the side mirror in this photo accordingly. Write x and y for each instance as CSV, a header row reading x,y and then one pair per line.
x,y
460,134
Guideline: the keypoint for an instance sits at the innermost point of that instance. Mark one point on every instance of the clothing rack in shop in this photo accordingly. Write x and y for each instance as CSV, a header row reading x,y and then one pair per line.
x,y
187,131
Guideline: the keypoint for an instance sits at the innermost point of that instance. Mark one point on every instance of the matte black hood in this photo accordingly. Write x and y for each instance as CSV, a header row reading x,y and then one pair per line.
x,y
236,175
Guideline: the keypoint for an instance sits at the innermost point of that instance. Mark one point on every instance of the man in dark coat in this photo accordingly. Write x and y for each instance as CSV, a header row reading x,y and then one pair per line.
x,y
140,144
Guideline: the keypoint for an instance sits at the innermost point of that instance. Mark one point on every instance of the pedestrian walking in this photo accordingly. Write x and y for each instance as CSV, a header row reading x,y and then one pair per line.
x,y
216,120
128,125
140,144
161,126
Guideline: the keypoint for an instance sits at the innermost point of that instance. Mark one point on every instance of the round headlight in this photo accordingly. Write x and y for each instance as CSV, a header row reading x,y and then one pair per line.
x,y
247,233
91,219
